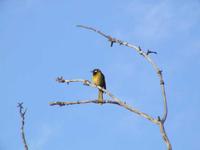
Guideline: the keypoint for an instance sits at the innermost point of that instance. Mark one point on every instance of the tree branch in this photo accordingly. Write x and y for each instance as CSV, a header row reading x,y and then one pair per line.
x,y
164,135
145,55
122,104
114,101
22,115
155,67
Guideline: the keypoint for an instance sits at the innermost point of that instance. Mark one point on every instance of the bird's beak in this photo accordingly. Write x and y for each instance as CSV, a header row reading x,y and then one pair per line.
x,y
91,71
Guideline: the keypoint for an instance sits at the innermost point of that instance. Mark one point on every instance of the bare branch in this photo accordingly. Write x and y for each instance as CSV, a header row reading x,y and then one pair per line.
x,y
62,103
119,103
87,83
116,100
157,70
22,113
146,56
89,28
164,135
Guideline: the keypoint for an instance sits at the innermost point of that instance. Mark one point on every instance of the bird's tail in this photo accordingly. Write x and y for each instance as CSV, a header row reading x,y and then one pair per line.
x,y
100,97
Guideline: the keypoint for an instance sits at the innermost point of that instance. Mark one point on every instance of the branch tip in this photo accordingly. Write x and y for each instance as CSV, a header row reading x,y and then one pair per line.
x,y
111,44
20,105
60,79
150,52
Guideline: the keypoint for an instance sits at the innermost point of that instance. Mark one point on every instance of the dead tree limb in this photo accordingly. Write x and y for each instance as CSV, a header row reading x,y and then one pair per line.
x,y
159,121
22,113
156,68
145,55
114,100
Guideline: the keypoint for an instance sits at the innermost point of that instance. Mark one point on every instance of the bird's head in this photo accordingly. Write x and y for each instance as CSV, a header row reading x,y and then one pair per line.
x,y
94,71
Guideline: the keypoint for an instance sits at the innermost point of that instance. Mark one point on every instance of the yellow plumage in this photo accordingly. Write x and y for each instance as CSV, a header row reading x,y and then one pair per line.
x,y
99,79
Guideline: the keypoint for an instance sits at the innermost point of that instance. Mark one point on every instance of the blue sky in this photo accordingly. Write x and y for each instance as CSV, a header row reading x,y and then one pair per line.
x,y
39,42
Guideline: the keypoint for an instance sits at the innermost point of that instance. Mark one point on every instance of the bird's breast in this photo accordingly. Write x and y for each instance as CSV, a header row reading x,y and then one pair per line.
x,y
96,79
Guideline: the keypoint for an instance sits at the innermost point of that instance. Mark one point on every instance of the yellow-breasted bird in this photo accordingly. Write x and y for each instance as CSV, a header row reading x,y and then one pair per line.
x,y
99,80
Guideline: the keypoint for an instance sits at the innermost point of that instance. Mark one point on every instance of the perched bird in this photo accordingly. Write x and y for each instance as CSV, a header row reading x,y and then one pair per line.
x,y
99,80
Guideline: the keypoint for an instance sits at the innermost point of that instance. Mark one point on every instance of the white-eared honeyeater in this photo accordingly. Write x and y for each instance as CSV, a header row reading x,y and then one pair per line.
x,y
99,80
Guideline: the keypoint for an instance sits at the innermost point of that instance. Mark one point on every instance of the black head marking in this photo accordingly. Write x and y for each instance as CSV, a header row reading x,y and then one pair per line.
x,y
94,71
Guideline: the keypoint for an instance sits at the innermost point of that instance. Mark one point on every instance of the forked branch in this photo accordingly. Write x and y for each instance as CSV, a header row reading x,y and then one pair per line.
x,y
145,55
160,121
114,100
22,113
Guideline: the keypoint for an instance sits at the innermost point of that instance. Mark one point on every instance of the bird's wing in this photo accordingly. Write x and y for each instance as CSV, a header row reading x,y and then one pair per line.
x,y
104,82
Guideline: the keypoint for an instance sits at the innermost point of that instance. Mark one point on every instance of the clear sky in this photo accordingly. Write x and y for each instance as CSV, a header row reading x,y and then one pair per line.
x,y
39,42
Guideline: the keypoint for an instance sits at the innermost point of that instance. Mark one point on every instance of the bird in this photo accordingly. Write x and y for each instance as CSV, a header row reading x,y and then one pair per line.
x,y
98,79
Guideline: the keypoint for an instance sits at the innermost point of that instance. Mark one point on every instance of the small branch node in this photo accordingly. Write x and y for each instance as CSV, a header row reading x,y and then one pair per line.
x,y
150,52
160,72
61,104
159,118
162,82
139,48
112,40
140,51
60,79
122,43
20,105
58,103
86,82
23,113
111,43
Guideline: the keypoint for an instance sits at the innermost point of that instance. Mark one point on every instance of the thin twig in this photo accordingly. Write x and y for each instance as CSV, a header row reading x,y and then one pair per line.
x,y
150,52
22,113
145,55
